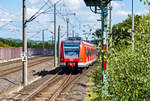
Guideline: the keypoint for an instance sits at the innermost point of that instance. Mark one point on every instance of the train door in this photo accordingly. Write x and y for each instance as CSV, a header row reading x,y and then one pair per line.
x,y
88,54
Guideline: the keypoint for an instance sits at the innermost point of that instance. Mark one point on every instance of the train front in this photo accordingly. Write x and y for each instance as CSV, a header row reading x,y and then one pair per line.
x,y
69,54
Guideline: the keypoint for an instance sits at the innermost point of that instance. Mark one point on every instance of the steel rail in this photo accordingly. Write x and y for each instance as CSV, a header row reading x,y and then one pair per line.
x,y
59,90
17,61
70,84
49,91
41,87
18,68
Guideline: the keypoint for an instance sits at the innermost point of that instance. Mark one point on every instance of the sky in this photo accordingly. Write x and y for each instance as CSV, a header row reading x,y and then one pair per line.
x,y
81,18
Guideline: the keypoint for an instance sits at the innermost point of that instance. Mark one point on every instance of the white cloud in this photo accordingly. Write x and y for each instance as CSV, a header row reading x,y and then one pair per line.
x,y
4,14
5,20
87,16
34,1
42,19
121,13
54,1
32,11
117,9
143,12
74,4
116,4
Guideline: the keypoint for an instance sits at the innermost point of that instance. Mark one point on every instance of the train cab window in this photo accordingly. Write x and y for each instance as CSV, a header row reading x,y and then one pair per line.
x,y
71,53
71,50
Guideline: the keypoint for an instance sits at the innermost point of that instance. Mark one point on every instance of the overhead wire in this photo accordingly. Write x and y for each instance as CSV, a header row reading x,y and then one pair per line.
x,y
75,16
10,13
58,13
38,13
45,11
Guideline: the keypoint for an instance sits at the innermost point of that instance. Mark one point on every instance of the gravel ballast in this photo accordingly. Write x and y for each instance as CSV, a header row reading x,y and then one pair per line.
x,y
12,82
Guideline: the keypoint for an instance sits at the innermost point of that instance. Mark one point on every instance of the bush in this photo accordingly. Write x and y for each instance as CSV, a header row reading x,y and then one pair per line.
x,y
129,74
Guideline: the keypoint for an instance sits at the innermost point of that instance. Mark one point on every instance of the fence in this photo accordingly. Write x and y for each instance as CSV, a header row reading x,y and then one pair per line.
x,y
10,53
39,51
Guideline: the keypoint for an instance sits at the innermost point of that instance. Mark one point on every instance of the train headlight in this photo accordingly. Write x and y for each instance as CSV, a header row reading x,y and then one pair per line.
x,y
61,59
81,59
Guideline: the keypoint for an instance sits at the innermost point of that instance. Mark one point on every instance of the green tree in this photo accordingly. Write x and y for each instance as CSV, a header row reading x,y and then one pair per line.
x,y
121,32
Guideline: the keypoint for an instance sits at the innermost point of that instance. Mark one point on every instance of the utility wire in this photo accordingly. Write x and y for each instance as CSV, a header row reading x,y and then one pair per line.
x,y
9,13
6,24
38,12
35,35
58,13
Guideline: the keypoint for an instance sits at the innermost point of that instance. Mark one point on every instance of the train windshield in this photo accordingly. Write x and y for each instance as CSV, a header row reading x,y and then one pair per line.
x,y
71,50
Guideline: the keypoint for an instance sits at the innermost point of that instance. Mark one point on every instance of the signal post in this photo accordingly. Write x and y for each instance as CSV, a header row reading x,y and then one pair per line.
x,y
101,7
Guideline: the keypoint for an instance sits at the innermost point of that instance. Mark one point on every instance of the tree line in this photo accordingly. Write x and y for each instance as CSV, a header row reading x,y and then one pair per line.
x,y
6,43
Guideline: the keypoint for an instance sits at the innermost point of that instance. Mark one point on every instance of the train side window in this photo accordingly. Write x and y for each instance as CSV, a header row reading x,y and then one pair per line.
x,y
86,51
90,52
93,52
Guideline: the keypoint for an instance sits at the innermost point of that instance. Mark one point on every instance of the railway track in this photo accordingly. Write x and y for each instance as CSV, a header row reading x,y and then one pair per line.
x,y
52,89
19,67
17,61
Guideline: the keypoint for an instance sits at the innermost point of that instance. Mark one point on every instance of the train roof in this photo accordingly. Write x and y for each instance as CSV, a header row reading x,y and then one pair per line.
x,y
72,41
79,41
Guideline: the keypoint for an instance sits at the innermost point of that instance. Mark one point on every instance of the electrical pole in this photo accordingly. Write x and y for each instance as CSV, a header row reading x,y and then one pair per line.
x,y
43,40
52,42
24,49
132,27
110,23
55,37
59,42
67,28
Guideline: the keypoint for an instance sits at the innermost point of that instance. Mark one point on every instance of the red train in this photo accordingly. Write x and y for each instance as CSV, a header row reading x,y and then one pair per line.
x,y
75,53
